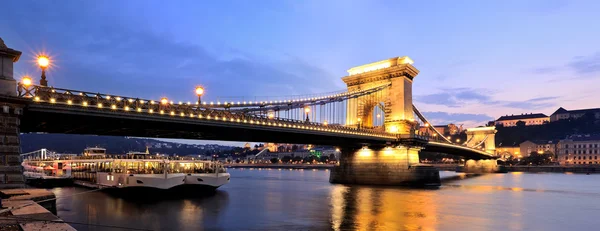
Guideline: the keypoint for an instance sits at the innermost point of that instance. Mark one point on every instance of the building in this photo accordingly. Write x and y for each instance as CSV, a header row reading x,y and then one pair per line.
x,y
579,149
562,114
529,119
539,146
505,151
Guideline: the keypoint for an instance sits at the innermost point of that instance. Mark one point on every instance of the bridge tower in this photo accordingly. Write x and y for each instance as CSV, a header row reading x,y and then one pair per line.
x,y
395,100
11,108
392,164
482,134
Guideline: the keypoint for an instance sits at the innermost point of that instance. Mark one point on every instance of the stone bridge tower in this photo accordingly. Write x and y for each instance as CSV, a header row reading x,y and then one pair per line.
x,y
487,135
395,100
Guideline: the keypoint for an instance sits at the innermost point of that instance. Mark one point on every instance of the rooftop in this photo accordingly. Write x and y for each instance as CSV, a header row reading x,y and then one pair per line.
x,y
522,116
561,110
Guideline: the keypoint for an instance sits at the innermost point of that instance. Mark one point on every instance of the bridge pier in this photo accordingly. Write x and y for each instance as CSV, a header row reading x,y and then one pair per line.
x,y
482,166
383,166
11,108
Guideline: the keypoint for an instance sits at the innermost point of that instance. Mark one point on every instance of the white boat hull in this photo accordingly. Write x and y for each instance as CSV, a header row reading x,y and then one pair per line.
x,y
207,179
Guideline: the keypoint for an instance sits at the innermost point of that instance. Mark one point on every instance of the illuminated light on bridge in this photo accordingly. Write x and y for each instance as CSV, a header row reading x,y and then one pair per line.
x,y
26,81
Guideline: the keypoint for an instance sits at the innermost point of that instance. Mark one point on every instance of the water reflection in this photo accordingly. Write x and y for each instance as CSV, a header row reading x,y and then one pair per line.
x,y
159,213
380,208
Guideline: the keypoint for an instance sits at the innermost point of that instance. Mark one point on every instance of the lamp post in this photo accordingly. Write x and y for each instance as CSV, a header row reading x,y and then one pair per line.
x,y
199,93
359,122
43,61
307,110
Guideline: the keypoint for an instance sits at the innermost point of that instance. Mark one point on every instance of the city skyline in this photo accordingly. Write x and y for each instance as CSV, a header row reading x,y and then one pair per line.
x,y
475,66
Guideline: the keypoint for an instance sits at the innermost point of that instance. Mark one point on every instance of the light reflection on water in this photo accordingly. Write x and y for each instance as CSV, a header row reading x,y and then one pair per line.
x,y
278,199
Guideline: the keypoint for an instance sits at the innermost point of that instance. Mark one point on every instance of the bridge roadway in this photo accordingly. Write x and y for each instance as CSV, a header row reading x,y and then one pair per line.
x,y
51,110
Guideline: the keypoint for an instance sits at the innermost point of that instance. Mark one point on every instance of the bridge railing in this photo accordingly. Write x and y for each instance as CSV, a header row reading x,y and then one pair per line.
x,y
123,104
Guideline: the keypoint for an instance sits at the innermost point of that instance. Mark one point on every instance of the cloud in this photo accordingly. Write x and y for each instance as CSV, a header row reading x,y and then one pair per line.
x,y
460,97
545,70
586,64
454,97
446,118
100,52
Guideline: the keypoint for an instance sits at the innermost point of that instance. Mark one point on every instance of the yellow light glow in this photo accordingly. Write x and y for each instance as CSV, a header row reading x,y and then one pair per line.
x,y
99,105
108,97
43,61
139,109
26,81
84,103
325,122
172,113
199,90
37,98
378,115
307,109
69,102
164,100
162,112
271,115
126,108
359,119
150,111
394,129
113,106
52,100
457,140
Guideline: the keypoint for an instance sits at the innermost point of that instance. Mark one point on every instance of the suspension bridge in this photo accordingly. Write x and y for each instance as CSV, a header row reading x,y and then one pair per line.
x,y
373,121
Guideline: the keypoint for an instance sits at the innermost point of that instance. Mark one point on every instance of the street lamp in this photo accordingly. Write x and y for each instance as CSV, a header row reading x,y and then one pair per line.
x,y
43,61
359,120
307,110
199,93
26,81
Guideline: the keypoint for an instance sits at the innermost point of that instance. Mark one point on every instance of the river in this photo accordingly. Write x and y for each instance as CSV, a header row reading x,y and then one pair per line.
x,y
263,199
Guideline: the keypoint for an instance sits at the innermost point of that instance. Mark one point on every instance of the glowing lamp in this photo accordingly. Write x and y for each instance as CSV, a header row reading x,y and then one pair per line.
x,y
199,90
26,81
164,100
43,61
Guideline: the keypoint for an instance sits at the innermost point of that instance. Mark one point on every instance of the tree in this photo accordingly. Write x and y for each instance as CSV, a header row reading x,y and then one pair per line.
x,y
294,148
274,160
332,157
286,159
520,123
309,159
297,159
324,159
538,159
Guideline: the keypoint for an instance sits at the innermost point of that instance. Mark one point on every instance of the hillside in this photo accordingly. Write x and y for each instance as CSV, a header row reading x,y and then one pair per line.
x,y
550,131
66,143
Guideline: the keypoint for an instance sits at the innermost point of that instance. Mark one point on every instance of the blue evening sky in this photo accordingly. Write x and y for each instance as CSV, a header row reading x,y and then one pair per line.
x,y
478,59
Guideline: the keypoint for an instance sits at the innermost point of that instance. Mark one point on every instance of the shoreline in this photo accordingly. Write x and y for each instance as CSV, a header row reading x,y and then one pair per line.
x,y
441,167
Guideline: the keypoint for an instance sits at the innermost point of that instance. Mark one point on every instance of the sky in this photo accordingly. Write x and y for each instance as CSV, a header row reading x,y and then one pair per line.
x,y
478,60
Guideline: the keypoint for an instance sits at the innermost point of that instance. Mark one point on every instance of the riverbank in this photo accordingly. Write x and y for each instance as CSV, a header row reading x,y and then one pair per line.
x,y
30,209
518,168
285,166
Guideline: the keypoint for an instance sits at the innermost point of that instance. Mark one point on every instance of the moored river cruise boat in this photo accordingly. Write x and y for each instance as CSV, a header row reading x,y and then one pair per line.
x,y
133,170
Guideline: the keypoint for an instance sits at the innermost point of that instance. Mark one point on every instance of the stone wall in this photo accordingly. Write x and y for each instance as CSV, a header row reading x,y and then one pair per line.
x,y
383,166
11,174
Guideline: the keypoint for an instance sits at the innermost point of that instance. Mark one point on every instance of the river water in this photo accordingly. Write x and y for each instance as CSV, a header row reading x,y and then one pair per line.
x,y
305,200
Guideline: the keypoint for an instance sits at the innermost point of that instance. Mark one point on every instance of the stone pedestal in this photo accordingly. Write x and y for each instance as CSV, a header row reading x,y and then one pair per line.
x,y
482,166
383,166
